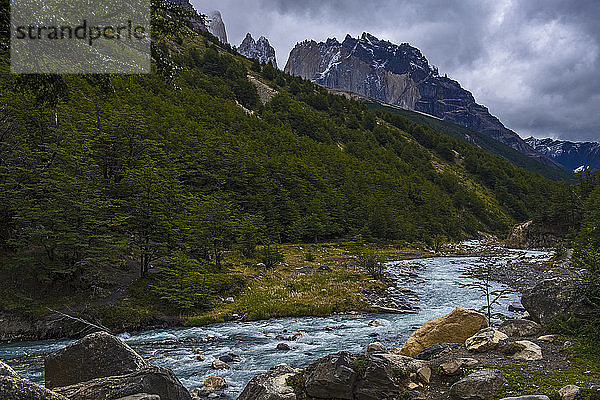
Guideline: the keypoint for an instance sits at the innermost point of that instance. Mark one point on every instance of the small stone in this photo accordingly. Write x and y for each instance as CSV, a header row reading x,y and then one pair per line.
x,y
218,364
283,347
468,362
413,386
200,358
548,338
376,347
424,374
229,300
569,392
451,367
376,322
213,383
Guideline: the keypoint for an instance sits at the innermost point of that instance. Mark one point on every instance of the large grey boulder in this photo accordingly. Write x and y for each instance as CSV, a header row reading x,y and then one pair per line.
x,y
98,355
12,388
6,370
272,385
385,376
332,376
549,300
520,328
150,380
481,385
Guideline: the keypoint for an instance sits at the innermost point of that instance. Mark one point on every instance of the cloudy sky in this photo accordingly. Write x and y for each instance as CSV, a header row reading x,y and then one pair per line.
x,y
534,63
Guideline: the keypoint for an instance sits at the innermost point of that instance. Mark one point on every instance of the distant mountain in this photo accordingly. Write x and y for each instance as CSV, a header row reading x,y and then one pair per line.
x,y
260,50
399,75
216,26
576,156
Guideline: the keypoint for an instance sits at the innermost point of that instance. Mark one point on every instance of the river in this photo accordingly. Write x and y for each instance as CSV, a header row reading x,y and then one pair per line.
x,y
436,292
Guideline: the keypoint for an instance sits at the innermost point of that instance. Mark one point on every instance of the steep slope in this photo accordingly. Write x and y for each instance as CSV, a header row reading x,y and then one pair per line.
x,y
477,139
398,75
575,156
260,50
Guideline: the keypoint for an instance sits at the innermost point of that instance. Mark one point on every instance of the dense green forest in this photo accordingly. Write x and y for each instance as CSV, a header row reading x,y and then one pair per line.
x,y
179,166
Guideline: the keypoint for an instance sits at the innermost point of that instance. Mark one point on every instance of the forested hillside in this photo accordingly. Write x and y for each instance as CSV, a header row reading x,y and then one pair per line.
x,y
176,167
480,140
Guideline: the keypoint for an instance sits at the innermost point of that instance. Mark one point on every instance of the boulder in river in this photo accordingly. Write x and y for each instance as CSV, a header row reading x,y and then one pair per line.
x,y
218,364
272,385
375,347
151,380
455,327
332,376
12,388
480,385
98,355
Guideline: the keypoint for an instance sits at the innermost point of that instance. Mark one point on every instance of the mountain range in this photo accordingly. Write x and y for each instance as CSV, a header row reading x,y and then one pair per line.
x,y
399,75
575,156
260,50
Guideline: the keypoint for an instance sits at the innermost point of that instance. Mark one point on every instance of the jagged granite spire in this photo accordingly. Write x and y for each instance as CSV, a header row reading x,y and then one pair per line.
x,y
216,26
260,50
402,76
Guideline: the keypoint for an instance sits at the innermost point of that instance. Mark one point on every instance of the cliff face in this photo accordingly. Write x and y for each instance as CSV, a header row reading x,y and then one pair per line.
x,y
402,76
575,156
260,50
216,26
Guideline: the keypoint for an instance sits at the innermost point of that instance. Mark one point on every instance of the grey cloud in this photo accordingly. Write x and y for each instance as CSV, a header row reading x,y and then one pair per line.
x,y
534,63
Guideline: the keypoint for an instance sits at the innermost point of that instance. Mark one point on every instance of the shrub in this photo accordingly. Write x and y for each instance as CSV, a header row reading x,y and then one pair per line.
x,y
369,262
271,256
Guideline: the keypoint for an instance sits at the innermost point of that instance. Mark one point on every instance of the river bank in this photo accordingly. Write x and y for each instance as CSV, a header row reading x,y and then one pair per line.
x,y
312,280
190,352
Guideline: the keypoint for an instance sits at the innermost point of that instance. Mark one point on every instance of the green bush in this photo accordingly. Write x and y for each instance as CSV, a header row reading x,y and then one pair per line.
x,y
370,262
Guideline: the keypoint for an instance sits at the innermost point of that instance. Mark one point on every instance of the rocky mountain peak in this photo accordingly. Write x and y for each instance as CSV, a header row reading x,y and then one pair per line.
x,y
399,75
260,50
215,25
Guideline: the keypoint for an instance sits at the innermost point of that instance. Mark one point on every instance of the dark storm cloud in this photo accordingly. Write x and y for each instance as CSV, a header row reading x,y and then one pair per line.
x,y
534,63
